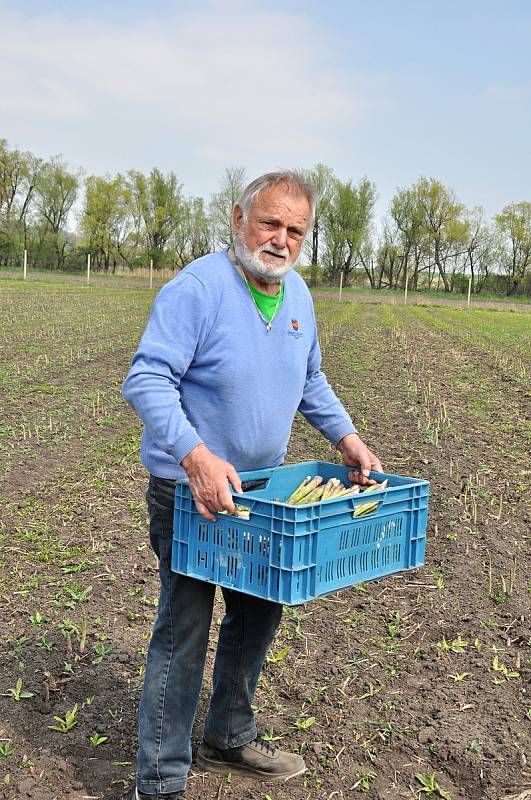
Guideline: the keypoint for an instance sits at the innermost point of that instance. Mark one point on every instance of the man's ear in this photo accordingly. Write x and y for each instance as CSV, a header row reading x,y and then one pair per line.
x,y
237,218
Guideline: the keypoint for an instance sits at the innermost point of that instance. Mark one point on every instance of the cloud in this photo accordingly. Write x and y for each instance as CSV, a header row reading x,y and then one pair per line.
x,y
225,78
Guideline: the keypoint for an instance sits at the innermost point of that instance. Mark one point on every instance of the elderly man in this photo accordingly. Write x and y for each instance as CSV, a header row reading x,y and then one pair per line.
x,y
229,355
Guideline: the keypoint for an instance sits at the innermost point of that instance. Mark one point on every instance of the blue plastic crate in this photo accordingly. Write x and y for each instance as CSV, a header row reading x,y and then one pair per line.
x,y
292,554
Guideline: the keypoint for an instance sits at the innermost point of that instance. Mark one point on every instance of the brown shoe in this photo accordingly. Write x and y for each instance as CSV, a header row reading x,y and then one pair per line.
x,y
258,759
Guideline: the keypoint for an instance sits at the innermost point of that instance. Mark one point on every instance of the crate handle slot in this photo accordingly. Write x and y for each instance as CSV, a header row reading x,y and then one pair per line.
x,y
371,504
254,485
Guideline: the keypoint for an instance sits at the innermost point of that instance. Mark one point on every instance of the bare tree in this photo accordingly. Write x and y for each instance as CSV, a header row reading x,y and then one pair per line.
x,y
223,201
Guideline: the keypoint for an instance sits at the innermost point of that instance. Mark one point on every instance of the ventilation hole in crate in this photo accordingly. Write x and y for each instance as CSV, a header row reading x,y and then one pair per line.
x,y
218,536
264,542
352,564
349,538
390,529
232,538
248,542
329,575
397,552
202,559
340,567
203,532
262,573
232,566
364,559
375,558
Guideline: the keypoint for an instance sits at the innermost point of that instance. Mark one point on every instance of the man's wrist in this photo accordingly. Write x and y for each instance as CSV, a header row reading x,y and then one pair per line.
x,y
194,456
342,443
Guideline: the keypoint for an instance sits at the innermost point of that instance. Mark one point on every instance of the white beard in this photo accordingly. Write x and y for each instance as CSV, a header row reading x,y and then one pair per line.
x,y
251,261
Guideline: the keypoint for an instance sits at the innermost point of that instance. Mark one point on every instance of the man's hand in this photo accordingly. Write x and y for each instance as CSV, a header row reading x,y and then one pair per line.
x,y
208,477
356,454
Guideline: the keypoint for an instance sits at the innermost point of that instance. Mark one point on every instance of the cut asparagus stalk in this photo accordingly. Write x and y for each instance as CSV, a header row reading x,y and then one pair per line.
x,y
243,512
365,508
294,496
307,489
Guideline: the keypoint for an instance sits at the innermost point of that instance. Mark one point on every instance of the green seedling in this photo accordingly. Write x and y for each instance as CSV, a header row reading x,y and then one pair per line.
x,y
365,778
37,618
498,666
271,736
474,746
460,677
371,692
279,656
96,739
101,651
303,725
430,786
65,725
87,701
7,749
68,669
44,644
456,646
17,693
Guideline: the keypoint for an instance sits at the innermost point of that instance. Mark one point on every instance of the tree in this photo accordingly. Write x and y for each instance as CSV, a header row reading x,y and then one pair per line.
x,y
19,172
193,237
107,220
158,206
346,227
514,224
56,191
443,221
322,179
222,202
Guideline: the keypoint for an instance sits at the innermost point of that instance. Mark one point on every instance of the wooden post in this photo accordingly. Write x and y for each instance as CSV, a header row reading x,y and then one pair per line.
x,y
405,289
25,264
469,290
151,274
88,269
340,284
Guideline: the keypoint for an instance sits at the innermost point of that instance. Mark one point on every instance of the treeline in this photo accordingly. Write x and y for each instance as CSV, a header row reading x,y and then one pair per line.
x,y
428,235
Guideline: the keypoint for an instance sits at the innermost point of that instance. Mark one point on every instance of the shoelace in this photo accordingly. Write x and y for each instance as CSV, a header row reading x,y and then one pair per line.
x,y
265,745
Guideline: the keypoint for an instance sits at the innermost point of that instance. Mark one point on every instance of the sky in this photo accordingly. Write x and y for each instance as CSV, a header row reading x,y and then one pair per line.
x,y
390,89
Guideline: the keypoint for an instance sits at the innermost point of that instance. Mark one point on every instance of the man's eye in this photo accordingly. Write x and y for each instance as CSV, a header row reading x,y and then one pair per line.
x,y
295,234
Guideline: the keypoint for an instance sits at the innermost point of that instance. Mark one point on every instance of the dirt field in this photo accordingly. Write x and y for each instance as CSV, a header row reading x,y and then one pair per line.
x,y
412,686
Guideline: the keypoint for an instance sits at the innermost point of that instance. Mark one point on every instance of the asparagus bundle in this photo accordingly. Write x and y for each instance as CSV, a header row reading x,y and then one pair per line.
x,y
367,508
312,490
243,512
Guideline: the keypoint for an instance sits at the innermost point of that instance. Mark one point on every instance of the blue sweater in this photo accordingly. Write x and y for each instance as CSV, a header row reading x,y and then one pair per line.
x,y
207,371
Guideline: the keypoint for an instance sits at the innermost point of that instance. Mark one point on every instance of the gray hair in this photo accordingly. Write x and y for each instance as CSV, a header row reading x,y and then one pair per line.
x,y
292,178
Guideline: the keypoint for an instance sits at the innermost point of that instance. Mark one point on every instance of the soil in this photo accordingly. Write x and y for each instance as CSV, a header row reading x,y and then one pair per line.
x,y
420,673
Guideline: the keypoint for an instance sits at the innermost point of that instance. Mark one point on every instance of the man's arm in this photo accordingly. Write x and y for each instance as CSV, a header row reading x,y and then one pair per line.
x,y
177,326
323,409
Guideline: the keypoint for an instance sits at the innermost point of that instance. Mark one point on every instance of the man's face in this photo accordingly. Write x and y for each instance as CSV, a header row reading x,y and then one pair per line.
x,y
274,231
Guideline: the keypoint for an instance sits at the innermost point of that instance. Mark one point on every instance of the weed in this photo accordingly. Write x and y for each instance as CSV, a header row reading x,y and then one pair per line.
x,y
96,739
17,693
430,786
7,749
65,725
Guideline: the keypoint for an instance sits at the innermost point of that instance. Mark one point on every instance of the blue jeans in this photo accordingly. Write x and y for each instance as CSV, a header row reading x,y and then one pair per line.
x,y
176,660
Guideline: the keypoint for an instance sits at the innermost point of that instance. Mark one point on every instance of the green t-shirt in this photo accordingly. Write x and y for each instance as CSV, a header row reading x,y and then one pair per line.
x,y
268,304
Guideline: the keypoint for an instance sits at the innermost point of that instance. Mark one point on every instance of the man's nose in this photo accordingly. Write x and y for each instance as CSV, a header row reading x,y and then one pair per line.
x,y
280,238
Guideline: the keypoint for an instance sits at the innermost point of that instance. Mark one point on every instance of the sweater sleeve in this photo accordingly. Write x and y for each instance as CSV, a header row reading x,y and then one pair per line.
x,y
177,326
320,405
